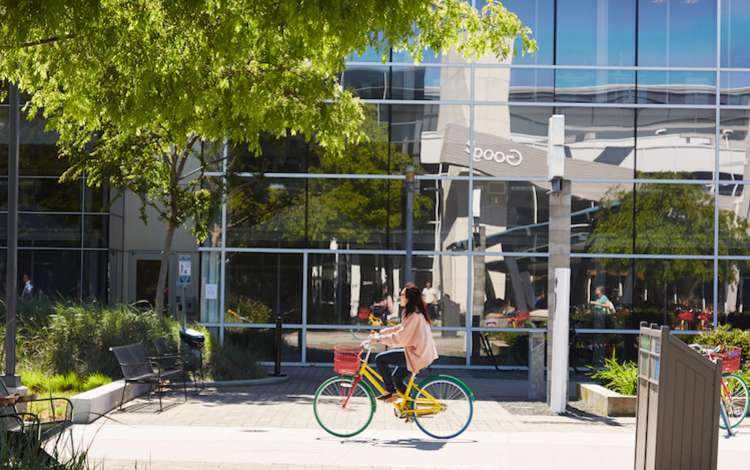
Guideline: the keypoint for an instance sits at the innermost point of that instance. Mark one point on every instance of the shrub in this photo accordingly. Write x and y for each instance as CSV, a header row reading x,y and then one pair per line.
x,y
232,361
622,379
726,336
249,310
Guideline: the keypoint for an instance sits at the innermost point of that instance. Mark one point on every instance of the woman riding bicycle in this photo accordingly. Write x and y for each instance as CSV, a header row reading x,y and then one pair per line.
x,y
413,337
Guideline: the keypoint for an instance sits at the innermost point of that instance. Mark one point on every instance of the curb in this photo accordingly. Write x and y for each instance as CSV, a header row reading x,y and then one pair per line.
x,y
244,383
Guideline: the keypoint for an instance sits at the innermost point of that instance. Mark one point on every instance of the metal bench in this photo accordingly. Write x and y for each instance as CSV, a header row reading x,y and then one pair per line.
x,y
138,368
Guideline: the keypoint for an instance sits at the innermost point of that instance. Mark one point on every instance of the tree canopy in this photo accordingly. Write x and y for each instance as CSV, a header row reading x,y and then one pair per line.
x,y
132,86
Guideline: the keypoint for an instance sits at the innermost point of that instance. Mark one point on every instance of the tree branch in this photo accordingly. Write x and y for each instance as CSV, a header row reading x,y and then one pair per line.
x,y
44,42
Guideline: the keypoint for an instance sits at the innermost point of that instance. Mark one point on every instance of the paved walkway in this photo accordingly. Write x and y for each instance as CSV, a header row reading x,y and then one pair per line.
x,y
273,427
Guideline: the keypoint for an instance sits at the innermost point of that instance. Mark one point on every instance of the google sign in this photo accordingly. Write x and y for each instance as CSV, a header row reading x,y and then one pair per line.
x,y
512,158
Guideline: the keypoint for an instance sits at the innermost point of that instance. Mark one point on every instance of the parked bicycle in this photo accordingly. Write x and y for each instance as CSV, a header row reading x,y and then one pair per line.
x,y
734,391
441,406
370,316
582,350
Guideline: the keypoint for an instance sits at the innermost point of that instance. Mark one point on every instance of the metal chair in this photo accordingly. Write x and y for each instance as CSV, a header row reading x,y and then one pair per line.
x,y
190,360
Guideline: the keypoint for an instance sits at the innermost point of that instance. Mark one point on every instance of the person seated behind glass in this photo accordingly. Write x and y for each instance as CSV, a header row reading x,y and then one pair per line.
x,y
601,302
413,337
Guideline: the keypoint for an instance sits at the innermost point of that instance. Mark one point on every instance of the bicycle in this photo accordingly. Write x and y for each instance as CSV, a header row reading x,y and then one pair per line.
x,y
734,391
366,317
442,406
582,351
520,319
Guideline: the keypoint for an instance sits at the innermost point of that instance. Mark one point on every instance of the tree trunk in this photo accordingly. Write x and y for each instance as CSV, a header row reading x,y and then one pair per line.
x,y
163,269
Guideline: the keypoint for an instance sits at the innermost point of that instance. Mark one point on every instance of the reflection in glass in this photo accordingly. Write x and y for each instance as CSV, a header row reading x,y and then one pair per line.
x,y
290,154
95,199
43,194
734,294
95,276
439,215
48,230
588,202
211,286
261,342
676,140
367,82
735,27
265,212
535,85
340,284
678,87
735,88
595,86
733,221
675,219
733,133
600,142
96,231
608,37
510,284
261,286
37,153
676,33
539,16
54,274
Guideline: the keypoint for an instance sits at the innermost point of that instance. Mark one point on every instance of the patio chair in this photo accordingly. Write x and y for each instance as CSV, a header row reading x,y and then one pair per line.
x,y
190,360
38,427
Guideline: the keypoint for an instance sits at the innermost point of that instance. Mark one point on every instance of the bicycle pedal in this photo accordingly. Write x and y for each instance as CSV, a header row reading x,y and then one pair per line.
x,y
409,420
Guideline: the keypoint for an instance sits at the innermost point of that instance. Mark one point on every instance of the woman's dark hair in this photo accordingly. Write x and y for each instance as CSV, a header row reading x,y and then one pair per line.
x,y
414,302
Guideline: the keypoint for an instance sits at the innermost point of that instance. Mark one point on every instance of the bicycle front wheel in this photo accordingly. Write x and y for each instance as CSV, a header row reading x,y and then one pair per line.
x,y
734,396
443,407
362,334
341,413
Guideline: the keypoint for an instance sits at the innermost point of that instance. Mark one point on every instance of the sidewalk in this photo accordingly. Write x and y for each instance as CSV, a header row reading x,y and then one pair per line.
x,y
273,427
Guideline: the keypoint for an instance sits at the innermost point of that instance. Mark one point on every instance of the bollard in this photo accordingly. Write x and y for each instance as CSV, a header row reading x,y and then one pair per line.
x,y
277,366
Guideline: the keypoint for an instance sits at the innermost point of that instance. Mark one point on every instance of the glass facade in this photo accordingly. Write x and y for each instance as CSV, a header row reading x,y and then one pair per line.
x,y
654,94
62,228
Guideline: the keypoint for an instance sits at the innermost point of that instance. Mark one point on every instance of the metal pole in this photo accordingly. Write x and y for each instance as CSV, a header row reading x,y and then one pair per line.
x,y
10,378
277,366
409,221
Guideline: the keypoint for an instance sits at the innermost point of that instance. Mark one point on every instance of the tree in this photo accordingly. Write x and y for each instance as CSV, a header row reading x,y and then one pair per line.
x,y
133,86
668,219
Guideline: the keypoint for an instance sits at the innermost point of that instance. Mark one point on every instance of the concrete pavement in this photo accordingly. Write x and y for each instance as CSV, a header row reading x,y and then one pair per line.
x,y
273,427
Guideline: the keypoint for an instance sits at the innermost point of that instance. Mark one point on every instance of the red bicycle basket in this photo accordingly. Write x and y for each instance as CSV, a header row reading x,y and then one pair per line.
x,y
363,313
686,315
346,359
730,358
523,315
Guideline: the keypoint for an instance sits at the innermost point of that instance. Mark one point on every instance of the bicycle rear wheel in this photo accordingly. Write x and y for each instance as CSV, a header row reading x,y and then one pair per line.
x,y
339,416
734,399
456,404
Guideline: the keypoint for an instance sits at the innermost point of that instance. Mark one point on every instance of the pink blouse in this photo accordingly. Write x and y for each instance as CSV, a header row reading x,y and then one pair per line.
x,y
415,337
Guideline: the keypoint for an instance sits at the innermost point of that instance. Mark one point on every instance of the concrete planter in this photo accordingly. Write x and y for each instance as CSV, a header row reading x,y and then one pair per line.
x,y
606,401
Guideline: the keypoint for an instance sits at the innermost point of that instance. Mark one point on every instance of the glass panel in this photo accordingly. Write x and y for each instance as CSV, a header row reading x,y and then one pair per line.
x,y
96,231
95,199
53,274
508,348
650,290
37,194
431,83
676,33
48,230
38,150
595,86
420,133
734,294
673,219
444,280
349,213
599,142
261,286
261,343
284,154
266,212
733,221
370,83
320,344
535,85
95,281
514,216
592,205
504,285
735,88
680,87
211,286
676,141
735,33
733,133
440,214
608,37
539,16
341,284
146,279
509,141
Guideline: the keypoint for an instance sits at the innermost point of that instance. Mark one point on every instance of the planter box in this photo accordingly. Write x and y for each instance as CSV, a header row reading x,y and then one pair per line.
x,y
606,401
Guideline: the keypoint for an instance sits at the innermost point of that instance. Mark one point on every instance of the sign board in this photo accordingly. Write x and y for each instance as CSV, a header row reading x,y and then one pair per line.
x,y
211,291
184,270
